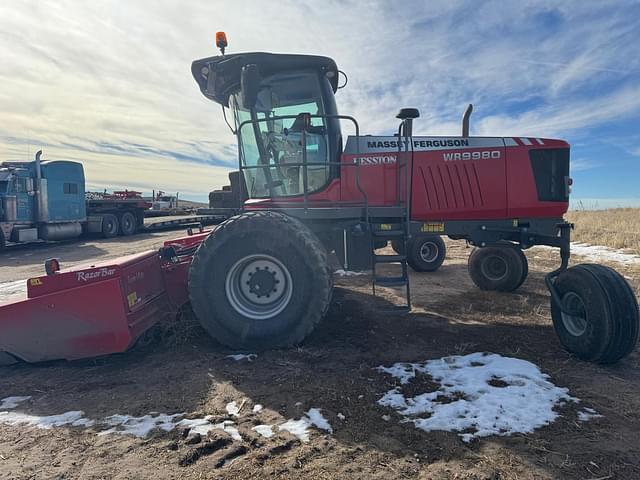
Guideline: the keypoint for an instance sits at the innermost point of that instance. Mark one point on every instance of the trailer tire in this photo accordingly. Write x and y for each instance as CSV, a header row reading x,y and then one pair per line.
x,y
110,226
606,327
426,253
293,267
496,268
128,224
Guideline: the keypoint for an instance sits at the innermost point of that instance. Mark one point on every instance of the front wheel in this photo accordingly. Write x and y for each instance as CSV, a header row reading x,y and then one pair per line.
x,y
600,319
261,280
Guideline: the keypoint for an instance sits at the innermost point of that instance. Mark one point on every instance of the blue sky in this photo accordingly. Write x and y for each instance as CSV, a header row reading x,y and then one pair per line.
x,y
108,82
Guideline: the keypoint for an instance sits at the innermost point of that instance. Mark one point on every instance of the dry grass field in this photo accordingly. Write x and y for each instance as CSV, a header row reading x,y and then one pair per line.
x,y
616,227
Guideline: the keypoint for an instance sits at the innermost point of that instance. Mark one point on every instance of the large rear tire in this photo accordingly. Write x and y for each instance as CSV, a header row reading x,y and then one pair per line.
x,y
261,280
497,268
603,322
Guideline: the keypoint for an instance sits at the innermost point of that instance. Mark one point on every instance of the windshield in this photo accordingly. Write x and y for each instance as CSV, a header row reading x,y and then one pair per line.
x,y
271,148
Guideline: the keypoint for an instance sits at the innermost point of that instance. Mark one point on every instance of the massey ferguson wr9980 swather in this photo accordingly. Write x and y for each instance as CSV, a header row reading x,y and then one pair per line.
x,y
261,279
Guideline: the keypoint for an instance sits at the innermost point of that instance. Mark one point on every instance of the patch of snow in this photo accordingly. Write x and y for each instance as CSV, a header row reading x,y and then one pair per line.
x,y
242,356
598,253
142,426
139,426
297,428
386,418
9,290
316,419
12,402
480,395
348,273
300,428
233,409
587,414
341,416
197,426
73,419
264,430
228,426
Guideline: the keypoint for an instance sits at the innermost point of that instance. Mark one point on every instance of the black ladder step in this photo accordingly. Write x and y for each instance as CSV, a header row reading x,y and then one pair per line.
x,y
388,233
389,258
391,281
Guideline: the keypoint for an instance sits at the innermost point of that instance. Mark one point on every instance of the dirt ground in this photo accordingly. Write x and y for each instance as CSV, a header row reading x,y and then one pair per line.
x,y
182,370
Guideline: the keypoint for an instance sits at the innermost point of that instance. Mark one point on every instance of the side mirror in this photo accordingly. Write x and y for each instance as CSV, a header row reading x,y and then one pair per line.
x,y
249,84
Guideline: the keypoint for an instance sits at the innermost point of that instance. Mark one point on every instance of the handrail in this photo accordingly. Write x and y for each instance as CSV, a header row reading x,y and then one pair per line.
x,y
305,163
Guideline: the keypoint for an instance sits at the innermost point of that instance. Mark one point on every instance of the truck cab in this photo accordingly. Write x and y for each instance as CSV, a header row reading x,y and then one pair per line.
x,y
41,200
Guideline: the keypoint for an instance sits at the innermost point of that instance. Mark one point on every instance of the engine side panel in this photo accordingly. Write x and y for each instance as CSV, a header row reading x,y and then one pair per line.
x,y
453,178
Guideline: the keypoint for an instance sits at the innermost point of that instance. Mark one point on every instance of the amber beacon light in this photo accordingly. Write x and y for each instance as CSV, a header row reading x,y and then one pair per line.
x,y
221,41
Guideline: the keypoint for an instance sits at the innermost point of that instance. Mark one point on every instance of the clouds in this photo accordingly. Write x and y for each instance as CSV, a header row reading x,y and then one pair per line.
x,y
109,82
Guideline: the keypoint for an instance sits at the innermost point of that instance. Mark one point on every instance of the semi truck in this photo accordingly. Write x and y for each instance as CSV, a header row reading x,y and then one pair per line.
x,y
46,200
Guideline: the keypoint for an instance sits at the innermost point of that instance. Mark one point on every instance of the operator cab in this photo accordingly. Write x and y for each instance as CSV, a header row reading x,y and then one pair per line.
x,y
283,109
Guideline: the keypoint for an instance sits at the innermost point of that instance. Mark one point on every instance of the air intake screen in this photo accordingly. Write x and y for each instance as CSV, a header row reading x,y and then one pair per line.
x,y
551,172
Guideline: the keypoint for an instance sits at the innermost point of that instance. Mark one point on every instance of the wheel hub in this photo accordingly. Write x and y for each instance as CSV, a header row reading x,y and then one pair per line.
x,y
428,252
576,322
494,267
259,286
262,282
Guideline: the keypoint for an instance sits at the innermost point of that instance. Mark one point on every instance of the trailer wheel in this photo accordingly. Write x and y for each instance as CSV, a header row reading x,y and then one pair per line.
x,y
261,280
602,323
110,226
426,253
128,224
497,268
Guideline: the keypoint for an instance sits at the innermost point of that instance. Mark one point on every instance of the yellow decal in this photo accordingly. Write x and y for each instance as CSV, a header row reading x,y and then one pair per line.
x,y
515,222
385,226
432,227
132,298
35,282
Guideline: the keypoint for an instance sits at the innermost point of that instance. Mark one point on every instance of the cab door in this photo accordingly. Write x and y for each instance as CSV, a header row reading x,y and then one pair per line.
x,y
21,187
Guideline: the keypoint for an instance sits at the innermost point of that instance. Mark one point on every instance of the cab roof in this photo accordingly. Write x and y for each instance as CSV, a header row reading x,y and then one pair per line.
x,y
218,77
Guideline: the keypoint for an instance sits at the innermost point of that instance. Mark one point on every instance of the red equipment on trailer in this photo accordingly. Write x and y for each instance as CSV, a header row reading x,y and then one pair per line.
x,y
261,279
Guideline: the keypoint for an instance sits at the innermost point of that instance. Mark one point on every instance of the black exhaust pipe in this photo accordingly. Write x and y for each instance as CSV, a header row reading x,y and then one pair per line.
x,y
465,120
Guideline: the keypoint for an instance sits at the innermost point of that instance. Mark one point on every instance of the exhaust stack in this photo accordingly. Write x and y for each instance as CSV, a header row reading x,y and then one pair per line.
x,y
465,120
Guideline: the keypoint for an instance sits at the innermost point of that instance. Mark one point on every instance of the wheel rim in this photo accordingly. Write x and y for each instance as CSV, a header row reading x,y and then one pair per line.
x,y
576,325
494,268
429,252
259,286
